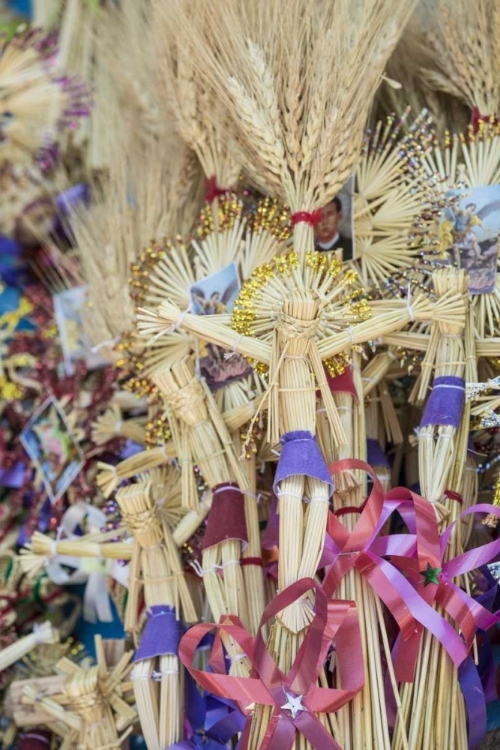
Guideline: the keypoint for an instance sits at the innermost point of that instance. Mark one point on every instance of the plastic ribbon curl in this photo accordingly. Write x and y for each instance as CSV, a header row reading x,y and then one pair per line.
x,y
295,697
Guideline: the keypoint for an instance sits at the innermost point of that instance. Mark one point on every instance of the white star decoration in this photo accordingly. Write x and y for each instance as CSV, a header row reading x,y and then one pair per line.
x,y
294,704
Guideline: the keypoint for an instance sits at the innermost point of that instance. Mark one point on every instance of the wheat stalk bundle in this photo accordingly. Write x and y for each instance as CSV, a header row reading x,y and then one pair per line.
x,y
91,712
461,46
154,568
194,110
43,633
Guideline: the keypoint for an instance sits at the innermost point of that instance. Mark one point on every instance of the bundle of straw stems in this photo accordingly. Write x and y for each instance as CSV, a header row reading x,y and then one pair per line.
x,y
252,571
433,705
43,633
363,722
155,568
109,477
111,424
203,430
447,349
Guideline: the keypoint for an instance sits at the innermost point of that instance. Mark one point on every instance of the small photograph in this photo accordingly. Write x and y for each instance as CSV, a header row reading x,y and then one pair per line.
x,y
214,295
469,235
48,441
335,229
68,308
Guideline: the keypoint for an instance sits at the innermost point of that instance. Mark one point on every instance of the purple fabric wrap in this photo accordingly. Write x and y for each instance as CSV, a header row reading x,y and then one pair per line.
x,y
300,455
446,402
375,454
161,635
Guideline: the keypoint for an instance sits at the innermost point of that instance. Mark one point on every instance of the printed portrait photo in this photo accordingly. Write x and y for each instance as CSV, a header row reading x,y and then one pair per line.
x,y
335,230
469,235
214,295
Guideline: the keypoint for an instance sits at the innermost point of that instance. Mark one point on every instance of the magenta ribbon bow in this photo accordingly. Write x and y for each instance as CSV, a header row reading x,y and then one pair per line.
x,y
294,697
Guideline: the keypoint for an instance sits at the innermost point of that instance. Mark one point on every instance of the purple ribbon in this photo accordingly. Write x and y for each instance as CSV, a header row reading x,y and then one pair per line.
x,y
375,454
79,193
212,721
13,477
161,635
475,703
446,402
300,455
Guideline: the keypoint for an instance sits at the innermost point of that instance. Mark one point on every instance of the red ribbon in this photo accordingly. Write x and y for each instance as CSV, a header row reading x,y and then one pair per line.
x,y
269,686
477,118
304,217
213,191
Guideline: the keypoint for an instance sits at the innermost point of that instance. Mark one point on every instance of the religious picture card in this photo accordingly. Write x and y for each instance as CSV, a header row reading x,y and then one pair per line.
x,y
52,448
215,295
469,235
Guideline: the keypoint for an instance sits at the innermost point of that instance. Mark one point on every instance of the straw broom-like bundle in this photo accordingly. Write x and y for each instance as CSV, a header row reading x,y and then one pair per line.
x,y
155,567
111,424
204,440
462,44
91,712
448,356
43,633
435,715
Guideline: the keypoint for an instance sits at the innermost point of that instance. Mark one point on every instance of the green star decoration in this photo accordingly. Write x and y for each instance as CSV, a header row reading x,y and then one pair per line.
x,y
431,574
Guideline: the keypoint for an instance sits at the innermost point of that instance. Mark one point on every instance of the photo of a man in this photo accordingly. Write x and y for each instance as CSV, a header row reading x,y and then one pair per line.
x,y
334,230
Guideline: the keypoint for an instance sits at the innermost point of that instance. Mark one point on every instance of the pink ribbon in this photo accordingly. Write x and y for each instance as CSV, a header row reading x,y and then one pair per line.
x,y
361,550
269,686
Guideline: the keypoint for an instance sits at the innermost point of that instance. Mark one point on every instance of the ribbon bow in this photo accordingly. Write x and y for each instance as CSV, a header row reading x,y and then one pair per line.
x,y
295,697
362,550
92,571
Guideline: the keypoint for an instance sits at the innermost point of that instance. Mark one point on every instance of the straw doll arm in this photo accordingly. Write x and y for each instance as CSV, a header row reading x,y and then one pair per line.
x,y
393,316
169,317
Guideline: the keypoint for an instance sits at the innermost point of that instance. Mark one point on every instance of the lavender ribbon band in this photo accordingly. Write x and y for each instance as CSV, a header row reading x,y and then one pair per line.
x,y
446,402
375,454
475,703
161,635
300,455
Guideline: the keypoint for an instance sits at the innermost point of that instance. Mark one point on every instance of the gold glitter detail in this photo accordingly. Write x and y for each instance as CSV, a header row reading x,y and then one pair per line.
x,y
338,364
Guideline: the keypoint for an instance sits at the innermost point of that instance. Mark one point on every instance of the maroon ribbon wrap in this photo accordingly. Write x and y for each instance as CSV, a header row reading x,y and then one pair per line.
x,y
226,519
